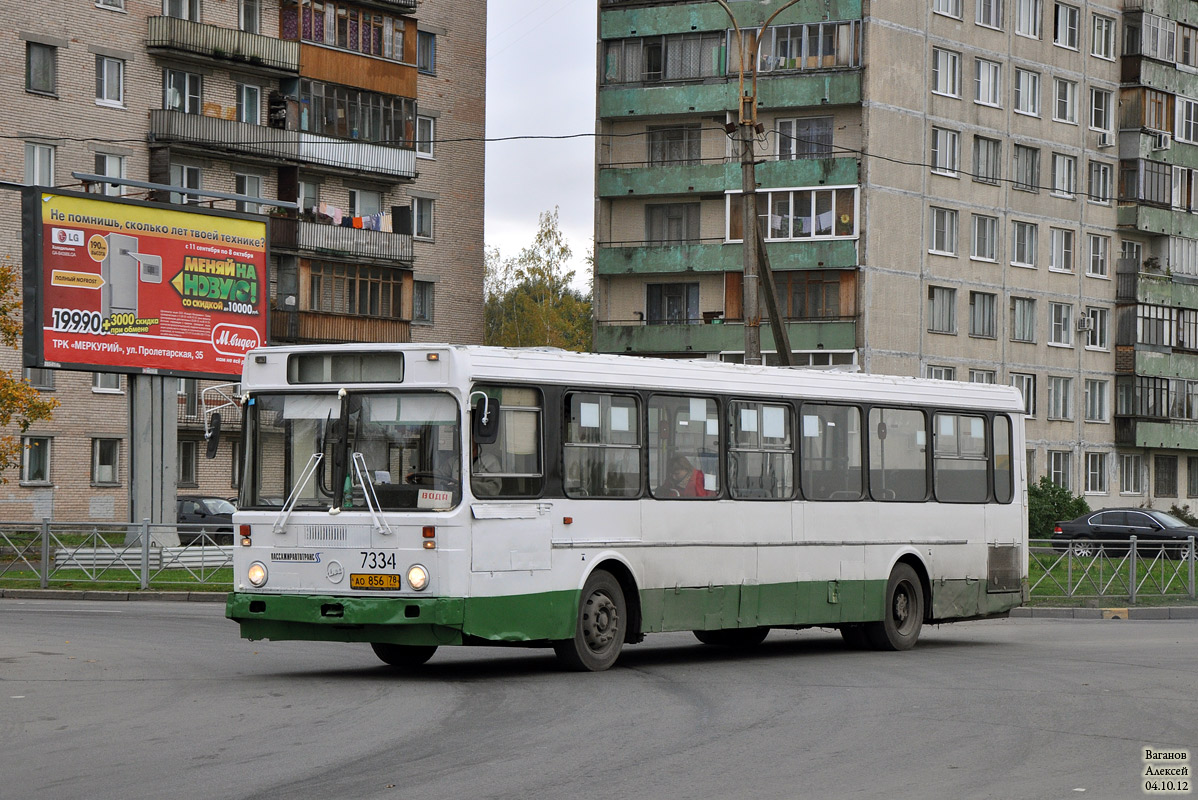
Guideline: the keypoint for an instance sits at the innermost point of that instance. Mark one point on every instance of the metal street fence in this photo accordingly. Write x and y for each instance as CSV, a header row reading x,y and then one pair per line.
x,y
1132,570
53,555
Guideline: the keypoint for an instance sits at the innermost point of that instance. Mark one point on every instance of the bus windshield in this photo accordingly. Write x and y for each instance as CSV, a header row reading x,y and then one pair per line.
x,y
322,449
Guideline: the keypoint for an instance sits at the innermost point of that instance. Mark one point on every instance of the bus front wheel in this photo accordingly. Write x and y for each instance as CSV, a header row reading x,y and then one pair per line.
x,y
403,656
899,628
600,626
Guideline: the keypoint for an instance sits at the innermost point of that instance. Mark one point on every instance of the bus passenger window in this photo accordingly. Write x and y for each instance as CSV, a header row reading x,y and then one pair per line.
x,y
830,452
511,466
960,458
602,447
684,447
1003,483
760,451
898,444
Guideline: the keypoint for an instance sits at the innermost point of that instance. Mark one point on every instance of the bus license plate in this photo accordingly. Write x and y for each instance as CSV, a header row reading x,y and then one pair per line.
x,y
368,581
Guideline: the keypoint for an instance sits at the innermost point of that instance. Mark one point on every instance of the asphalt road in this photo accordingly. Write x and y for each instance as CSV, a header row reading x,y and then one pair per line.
x,y
163,700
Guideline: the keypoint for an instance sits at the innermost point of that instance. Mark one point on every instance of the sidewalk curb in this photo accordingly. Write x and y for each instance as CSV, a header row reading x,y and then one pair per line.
x,y
1117,613
88,594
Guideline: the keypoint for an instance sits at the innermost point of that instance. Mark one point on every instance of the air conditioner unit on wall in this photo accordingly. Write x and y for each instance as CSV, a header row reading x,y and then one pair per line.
x,y
1085,324
1161,141
1106,139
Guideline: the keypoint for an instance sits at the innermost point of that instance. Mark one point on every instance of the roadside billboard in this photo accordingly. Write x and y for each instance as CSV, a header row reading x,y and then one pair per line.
x,y
130,286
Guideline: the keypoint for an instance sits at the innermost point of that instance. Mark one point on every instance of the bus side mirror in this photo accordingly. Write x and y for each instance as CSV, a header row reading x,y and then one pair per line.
x,y
484,423
213,435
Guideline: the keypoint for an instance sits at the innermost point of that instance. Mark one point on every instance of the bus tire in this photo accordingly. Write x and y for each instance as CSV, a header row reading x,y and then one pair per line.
x,y
903,615
600,626
403,656
734,638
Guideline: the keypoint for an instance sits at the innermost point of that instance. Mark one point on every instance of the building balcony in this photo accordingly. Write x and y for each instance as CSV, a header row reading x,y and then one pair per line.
x,y
181,36
1156,433
714,255
712,177
394,6
716,335
841,86
375,247
207,134
299,327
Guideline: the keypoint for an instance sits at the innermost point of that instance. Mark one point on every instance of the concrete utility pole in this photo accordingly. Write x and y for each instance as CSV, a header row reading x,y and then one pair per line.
x,y
752,236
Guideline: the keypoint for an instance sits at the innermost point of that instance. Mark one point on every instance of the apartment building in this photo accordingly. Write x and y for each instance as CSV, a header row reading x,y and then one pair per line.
x,y
971,190
369,114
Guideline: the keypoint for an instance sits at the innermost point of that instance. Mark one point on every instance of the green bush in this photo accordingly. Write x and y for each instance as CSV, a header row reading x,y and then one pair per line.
x,y
1048,503
1183,514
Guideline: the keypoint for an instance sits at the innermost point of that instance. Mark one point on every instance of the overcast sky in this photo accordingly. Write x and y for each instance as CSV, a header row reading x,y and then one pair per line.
x,y
540,81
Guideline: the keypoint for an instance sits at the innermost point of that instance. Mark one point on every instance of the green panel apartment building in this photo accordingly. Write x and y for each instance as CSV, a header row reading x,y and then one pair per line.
x,y
971,190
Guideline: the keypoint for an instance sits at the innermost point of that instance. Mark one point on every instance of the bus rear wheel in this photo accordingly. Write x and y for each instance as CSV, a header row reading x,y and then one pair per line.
x,y
899,628
403,656
600,627
738,638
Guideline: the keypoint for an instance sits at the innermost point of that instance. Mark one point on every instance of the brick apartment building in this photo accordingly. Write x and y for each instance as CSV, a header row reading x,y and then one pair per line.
x,y
364,108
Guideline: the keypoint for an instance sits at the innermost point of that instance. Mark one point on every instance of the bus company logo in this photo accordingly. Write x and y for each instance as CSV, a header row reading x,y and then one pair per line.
x,y
234,340
302,558
335,572
68,237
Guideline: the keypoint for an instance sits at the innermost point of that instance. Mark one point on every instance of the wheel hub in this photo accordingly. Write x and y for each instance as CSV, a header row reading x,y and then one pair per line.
x,y
600,621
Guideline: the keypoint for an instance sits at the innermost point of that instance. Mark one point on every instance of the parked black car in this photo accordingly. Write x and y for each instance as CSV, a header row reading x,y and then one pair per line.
x,y
1112,528
215,514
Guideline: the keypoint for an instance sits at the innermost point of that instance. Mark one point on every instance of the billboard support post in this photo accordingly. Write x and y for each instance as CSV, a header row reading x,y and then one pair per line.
x,y
153,444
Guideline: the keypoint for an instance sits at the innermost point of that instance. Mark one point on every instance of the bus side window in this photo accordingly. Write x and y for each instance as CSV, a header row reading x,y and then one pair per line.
x,y
760,451
1003,481
511,466
898,467
960,458
830,452
602,446
684,447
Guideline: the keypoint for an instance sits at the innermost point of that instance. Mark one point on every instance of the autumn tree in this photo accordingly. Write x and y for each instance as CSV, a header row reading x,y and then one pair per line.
x,y
530,299
19,402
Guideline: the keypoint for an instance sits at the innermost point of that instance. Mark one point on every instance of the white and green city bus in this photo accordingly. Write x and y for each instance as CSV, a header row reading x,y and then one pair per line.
x,y
412,496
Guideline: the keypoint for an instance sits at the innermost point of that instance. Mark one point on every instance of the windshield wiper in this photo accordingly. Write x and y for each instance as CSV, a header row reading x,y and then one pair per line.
x,y
305,476
372,499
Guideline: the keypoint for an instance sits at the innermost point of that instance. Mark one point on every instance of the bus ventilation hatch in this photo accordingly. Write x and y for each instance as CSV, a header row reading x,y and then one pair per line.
x,y
1002,568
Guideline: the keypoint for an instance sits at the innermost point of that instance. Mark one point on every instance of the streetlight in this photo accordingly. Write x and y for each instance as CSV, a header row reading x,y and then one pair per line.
x,y
747,122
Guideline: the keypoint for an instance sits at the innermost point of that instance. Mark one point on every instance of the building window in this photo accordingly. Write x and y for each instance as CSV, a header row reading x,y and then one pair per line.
x,y
672,304
939,373
109,166
106,455
1060,324
35,459
250,186
806,137
949,8
1096,473
110,81
985,238
1099,335
422,301
186,177
249,104
809,293
115,5
987,160
181,91
423,209
1099,190
1100,247
249,17
182,9
987,82
41,68
1060,465
355,289
942,309
1064,31
348,113
1060,398
1027,168
1192,476
39,164
946,72
1061,257
309,195
1065,107
945,149
1101,113
1023,319
1102,37
982,376
1131,474
1186,127
426,52
1164,478
1027,92
41,379
1096,400
1027,18
818,45
982,315
1064,175
106,382
187,460
1024,236
671,223
1026,384
799,213
989,13
364,202
426,134
944,232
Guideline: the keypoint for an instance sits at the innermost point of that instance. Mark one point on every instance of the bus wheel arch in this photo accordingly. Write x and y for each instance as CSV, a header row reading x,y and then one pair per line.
x,y
601,625
905,608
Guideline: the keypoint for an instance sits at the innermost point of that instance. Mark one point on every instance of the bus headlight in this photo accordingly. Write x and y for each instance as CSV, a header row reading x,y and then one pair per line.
x,y
417,577
256,574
